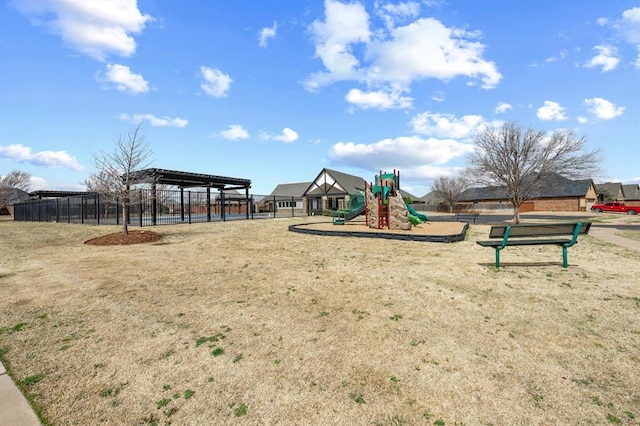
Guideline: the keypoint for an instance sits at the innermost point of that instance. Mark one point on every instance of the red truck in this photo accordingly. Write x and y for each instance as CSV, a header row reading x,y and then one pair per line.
x,y
615,208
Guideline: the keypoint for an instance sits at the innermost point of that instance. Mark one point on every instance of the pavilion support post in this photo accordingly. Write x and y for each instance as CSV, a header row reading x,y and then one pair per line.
x,y
222,207
246,197
208,204
275,207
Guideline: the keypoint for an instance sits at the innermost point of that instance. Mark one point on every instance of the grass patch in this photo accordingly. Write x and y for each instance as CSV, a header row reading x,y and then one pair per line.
x,y
209,339
19,326
357,398
31,380
240,410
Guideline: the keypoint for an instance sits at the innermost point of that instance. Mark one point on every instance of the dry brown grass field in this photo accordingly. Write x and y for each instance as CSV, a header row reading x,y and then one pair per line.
x,y
247,323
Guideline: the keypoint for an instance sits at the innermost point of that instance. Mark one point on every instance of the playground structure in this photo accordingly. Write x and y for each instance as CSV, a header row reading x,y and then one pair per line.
x,y
382,205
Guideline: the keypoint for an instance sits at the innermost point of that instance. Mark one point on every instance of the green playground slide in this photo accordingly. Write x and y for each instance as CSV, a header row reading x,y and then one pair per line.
x,y
413,219
420,216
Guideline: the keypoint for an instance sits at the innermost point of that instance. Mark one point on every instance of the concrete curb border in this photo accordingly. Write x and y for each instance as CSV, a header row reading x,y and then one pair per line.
x,y
387,235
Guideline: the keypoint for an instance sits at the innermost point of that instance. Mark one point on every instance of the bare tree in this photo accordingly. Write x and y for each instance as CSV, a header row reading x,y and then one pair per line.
x,y
449,189
521,161
114,175
15,179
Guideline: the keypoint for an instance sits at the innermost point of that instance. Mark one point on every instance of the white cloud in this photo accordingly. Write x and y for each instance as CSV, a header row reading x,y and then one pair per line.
x,y
394,13
629,29
401,153
234,132
607,58
629,26
21,153
428,49
438,96
551,111
39,184
124,80
603,109
267,33
288,135
582,120
447,125
344,25
378,99
394,56
95,28
155,121
216,83
503,107
561,56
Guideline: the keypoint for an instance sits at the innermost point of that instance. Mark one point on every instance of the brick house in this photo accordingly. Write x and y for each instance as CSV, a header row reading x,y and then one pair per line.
x,y
631,194
557,194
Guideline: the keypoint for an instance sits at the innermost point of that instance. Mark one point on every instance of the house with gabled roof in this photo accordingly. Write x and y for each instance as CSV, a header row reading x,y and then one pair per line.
x,y
288,196
11,196
631,194
557,193
609,191
330,189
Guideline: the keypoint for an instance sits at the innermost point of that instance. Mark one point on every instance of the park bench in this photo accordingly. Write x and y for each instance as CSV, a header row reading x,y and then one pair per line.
x,y
466,216
560,234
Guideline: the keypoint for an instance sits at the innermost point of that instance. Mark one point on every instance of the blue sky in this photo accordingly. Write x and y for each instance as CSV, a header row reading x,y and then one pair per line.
x,y
273,91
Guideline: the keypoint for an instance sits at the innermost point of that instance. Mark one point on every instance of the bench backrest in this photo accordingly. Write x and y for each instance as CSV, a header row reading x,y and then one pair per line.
x,y
538,230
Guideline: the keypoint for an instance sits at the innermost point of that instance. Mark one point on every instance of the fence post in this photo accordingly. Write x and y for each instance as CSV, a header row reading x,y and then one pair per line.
x,y
140,206
154,204
97,204
182,204
208,204
275,207
189,202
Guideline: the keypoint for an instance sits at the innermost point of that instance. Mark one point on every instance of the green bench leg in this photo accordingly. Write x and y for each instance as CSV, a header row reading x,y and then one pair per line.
x,y
497,258
564,257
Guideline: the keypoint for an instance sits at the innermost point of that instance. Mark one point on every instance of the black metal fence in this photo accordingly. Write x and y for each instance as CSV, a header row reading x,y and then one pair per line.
x,y
166,207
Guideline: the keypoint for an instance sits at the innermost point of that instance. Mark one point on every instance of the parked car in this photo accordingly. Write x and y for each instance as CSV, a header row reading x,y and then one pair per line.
x,y
615,208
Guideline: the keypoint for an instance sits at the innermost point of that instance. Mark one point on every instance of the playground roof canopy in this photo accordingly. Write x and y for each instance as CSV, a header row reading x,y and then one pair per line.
x,y
187,179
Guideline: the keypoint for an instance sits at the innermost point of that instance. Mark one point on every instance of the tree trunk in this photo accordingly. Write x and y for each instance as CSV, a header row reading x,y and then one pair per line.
x,y
516,214
125,212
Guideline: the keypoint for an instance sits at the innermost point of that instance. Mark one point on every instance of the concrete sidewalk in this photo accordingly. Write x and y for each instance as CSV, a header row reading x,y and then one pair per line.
x,y
14,408
609,235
